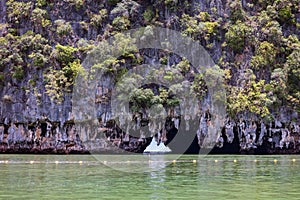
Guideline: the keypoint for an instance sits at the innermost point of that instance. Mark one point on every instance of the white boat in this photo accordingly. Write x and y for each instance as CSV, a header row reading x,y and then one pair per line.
x,y
153,148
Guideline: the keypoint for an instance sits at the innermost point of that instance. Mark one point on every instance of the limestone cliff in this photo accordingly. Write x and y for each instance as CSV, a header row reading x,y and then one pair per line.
x,y
255,45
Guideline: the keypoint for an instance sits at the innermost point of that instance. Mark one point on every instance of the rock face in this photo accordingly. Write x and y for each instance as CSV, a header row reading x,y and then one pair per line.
x,y
46,137
254,43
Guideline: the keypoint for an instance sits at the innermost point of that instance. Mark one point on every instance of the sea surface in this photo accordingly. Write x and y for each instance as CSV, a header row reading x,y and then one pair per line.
x,y
149,177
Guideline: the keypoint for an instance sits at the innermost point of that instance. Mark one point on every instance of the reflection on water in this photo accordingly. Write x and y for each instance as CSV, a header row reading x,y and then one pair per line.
x,y
156,178
156,181
190,177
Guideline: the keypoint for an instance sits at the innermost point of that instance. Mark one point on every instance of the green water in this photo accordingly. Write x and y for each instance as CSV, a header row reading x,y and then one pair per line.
x,y
190,177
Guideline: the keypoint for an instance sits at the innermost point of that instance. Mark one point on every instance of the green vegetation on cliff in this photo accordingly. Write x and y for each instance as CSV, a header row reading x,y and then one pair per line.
x,y
255,44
